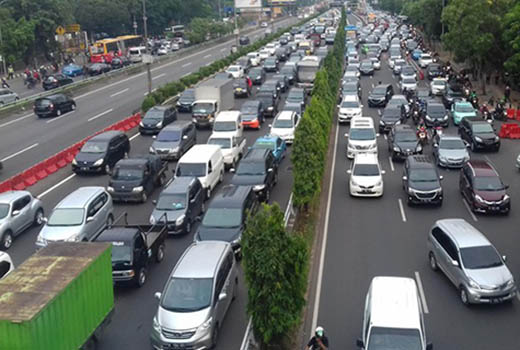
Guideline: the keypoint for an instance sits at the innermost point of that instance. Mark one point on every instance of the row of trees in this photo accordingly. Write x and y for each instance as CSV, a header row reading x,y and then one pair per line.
x,y
484,34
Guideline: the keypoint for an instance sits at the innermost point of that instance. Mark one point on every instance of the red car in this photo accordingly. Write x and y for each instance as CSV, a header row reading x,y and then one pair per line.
x,y
483,189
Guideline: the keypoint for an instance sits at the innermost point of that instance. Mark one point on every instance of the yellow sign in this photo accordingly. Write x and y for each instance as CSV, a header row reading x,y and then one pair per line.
x,y
60,30
73,28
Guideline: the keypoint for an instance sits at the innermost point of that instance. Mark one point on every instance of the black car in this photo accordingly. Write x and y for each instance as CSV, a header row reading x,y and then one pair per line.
x,y
244,40
392,115
453,94
271,64
479,134
403,142
258,168
174,140
421,181
257,75
436,115
281,53
244,62
101,152
282,79
119,62
269,103
433,71
252,114
241,88
366,67
98,68
272,86
54,81
351,88
53,105
284,40
296,95
380,95
226,216
157,118
289,71
186,100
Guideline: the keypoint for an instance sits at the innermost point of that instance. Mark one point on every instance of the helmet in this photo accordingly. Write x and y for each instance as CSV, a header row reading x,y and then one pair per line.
x,y
319,331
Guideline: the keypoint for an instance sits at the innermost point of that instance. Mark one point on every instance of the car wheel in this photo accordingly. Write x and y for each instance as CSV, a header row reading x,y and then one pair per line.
x,y
267,195
208,193
110,220
38,217
235,289
275,179
160,253
464,295
188,226
141,277
144,197
433,262
58,112
7,240
221,176
73,107
214,336
473,147
107,169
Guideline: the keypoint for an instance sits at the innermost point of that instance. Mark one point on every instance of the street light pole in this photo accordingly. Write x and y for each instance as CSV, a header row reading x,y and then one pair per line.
x,y
148,63
442,23
4,66
236,25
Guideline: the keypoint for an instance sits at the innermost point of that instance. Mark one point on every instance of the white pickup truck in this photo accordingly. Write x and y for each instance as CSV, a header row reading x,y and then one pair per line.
x,y
232,147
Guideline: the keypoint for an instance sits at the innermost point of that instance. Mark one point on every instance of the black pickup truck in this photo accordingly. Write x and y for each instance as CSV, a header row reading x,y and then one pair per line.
x,y
133,179
134,247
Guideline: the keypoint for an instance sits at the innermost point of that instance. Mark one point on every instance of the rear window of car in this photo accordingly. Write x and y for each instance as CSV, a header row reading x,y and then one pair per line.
x,y
43,102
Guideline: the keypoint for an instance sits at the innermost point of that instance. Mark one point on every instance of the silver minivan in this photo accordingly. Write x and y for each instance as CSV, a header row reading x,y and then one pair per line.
x,y
470,262
80,216
196,297
7,96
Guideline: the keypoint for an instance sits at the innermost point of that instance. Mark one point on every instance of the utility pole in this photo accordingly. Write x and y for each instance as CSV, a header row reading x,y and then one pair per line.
x,y
135,25
149,58
442,23
219,11
4,66
236,24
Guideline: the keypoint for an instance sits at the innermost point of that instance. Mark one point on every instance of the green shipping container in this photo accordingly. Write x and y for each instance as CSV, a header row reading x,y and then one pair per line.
x,y
58,298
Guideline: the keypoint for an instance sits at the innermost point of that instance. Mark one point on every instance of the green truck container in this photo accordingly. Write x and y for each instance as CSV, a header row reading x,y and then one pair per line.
x,y
59,299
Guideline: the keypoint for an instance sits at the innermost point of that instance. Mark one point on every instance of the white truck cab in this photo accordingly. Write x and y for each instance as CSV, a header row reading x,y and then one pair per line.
x,y
228,123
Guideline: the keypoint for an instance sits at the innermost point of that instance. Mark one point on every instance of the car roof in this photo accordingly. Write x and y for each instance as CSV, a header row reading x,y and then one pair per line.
x,y
350,98
481,168
361,122
10,196
267,137
179,185
79,197
249,103
394,303
366,158
285,115
200,260
255,154
474,120
420,161
177,125
123,234
199,153
462,233
159,108
106,136
230,196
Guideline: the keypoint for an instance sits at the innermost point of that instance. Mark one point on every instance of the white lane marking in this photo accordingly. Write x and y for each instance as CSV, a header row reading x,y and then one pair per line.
x,y
100,114
159,76
146,93
133,137
385,136
119,92
223,49
473,216
325,234
58,118
244,340
43,194
401,208
372,85
207,56
185,75
421,292
19,152
16,120
186,65
391,163
379,112
371,77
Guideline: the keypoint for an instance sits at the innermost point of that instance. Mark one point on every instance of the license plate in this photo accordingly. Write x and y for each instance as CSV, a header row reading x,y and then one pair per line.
x,y
366,191
84,168
496,300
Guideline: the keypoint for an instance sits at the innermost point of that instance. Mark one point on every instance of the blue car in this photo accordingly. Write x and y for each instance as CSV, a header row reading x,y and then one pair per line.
x,y
274,143
416,54
72,70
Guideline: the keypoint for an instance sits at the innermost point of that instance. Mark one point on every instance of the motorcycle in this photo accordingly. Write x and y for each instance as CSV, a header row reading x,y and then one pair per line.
x,y
474,102
499,114
416,116
423,136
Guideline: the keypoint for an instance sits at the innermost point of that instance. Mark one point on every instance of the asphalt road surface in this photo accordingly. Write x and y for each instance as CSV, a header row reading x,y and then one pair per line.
x,y
26,139
373,237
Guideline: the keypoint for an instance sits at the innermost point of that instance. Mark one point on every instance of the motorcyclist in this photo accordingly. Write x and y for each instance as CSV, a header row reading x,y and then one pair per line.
x,y
319,341
484,109
4,84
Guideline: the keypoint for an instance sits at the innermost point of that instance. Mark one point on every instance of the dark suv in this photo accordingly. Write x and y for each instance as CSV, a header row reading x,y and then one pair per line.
x,y
380,95
157,118
480,185
479,134
435,114
226,216
421,181
453,93
391,116
269,103
54,105
259,169
433,71
100,153
403,142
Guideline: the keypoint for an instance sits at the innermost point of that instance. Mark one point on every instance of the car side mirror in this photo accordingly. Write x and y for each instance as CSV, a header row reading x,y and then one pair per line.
x,y
383,172
270,170
157,295
506,186
349,171
222,296
154,201
360,344
154,137
455,263
429,346
90,219
441,177
405,178
346,134
15,213
504,258
232,170
185,137
45,220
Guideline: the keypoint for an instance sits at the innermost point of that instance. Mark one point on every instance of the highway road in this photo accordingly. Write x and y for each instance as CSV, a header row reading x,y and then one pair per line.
x,y
26,140
372,237
135,308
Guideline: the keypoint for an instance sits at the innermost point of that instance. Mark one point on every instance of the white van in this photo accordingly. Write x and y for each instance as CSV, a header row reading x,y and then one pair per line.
x,y
393,317
136,53
228,123
6,265
349,108
284,125
205,162
362,137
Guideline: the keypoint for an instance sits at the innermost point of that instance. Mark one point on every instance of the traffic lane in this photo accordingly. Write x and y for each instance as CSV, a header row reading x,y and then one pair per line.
x,y
129,102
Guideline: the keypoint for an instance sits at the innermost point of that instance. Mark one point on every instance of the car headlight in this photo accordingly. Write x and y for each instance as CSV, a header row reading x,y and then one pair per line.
x,y
174,150
379,183
141,124
152,220
206,325
353,182
398,122
98,162
443,158
466,158
478,139
397,149
270,108
506,198
74,162
478,198
138,189
473,284
445,117
152,150
156,325
180,220
73,239
428,117
497,138
159,125
178,103
194,120
110,189
259,187
511,282
383,123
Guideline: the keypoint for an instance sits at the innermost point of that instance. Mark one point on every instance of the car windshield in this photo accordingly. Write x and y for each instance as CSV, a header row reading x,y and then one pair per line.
x,y
423,175
391,113
366,170
452,144
222,142
426,57
203,108
394,339
169,202
121,252
283,123
379,91
362,134
251,168
154,115
350,104
233,69
265,145
407,70
191,169
423,93
187,294
439,82
255,72
366,64
222,217
397,101
352,69
4,210
287,70
66,217
94,147
488,183
224,126
482,128
169,136
127,174
436,110
187,96
483,257
249,109
270,61
406,136
43,102
409,81
350,88
464,108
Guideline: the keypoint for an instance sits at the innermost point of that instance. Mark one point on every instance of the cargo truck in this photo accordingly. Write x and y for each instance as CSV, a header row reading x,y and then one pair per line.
x,y
306,71
61,298
211,96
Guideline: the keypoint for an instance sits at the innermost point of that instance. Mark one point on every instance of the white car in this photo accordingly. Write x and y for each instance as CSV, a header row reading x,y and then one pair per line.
x,y
349,108
254,57
285,125
175,47
263,24
408,83
350,76
353,69
264,54
162,51
271,47
354,62
362,137
6,264
366,176
376,63
236,71
425,60
438,86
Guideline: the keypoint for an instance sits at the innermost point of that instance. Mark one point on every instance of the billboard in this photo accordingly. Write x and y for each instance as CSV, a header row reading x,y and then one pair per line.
x,y
247,4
